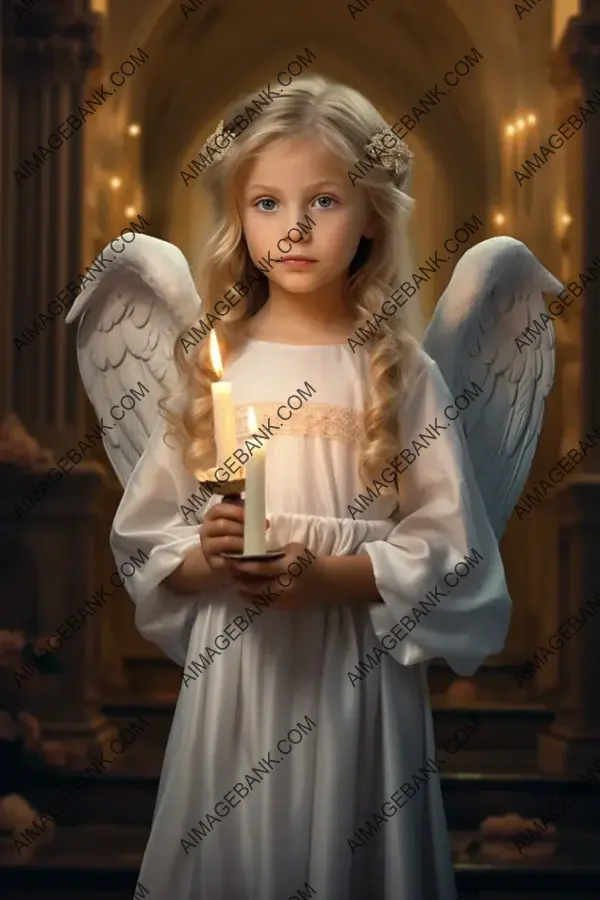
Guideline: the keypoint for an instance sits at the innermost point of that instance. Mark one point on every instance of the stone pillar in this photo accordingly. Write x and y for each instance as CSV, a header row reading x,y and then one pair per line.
x,y
574,738
48,49
46,54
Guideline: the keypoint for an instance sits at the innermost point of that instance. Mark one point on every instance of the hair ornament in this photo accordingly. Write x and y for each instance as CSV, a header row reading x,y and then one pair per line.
x,y
222,131
394,157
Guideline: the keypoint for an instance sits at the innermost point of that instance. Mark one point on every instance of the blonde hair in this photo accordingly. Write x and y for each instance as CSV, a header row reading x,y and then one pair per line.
x,y
345,121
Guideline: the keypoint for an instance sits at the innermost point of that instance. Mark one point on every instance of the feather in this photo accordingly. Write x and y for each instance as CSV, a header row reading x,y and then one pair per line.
x,y
494,295
130,319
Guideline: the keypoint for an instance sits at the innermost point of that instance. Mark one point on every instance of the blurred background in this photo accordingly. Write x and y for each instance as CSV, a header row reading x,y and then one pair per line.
x,y
83,729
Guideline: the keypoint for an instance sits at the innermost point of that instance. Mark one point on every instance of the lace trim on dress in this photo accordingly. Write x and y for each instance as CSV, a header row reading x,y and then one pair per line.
x,y
338,423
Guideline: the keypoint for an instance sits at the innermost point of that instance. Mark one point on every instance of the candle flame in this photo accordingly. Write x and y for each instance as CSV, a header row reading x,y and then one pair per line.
x,y
252,423
215,355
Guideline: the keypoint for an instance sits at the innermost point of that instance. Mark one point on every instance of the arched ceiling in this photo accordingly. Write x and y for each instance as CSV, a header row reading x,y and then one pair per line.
x,y
200,64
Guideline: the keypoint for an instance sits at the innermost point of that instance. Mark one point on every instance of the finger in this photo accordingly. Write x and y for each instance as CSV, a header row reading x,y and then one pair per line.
x,y
268,569
219,527
225,511
228,511
228,544
251,580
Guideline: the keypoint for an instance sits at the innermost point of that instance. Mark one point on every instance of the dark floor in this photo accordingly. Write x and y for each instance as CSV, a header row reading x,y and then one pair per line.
x,y
97,849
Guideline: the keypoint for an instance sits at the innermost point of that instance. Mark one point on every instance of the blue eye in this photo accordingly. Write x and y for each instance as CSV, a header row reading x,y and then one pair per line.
x,y
326,197
265,200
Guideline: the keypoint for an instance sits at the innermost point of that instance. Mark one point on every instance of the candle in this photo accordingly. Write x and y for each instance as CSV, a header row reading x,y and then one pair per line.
x,y
223,409
255,540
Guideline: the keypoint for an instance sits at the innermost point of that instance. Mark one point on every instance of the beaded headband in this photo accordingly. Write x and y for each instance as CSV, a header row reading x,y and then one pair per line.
x,y
395,159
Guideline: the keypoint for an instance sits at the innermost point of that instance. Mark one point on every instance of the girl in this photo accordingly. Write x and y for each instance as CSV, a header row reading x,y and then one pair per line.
x,y
301,761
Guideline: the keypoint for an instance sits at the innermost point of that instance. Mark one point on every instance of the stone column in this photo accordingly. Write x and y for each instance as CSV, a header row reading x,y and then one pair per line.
x,y
574,738
47,52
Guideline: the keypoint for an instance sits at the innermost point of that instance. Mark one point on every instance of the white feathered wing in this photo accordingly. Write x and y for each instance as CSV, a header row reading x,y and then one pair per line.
x,y
131,317
495,293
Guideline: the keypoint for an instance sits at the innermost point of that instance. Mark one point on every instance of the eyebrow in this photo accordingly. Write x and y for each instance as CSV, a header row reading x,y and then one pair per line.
x,y
320,185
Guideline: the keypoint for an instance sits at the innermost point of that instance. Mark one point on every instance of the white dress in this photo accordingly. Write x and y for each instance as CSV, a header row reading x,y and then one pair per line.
x,y
287,738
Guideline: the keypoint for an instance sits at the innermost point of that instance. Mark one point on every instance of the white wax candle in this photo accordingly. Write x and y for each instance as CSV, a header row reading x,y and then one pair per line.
x,y
255,539
224,416
223,409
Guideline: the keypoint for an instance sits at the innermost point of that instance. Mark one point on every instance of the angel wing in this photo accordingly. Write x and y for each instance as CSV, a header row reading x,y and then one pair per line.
x,y
131,316
494,295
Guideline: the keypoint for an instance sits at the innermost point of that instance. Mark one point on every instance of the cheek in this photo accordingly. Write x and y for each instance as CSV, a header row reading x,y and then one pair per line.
x,y
342,237
258,233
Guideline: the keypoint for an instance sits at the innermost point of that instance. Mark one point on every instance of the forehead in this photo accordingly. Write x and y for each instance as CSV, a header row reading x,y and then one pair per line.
x,y
295,161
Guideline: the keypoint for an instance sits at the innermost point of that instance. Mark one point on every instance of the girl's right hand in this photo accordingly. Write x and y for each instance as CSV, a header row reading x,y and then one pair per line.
x,y
222,531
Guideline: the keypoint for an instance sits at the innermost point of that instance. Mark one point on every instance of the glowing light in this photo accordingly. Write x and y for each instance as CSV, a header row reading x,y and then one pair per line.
x,y
115,183
499,219
566,219
510,130
130,210
134,129
531,119
520,123
215,355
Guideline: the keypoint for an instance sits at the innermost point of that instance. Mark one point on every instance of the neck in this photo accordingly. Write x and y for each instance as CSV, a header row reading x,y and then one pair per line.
x,y
327,310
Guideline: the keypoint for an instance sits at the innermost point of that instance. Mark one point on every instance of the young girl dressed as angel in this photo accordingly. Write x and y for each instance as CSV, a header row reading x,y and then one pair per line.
x,y
301,759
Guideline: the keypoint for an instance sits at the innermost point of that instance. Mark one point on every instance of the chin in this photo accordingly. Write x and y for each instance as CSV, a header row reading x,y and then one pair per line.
x,y
300,282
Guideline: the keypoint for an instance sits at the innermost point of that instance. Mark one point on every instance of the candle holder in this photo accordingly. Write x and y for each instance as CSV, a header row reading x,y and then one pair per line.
x,y
231,491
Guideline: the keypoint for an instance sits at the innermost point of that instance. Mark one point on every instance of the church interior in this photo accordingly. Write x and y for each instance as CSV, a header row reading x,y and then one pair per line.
x,y
480,87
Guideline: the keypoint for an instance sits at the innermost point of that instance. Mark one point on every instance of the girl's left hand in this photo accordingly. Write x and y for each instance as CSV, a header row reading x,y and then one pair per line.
x,y
295,591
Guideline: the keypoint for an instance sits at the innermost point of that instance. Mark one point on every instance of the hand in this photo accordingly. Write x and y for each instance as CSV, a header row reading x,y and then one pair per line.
x,y
222,531
296,592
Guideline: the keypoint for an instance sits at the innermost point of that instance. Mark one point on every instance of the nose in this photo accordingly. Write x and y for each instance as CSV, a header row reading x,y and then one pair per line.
x,y
297,234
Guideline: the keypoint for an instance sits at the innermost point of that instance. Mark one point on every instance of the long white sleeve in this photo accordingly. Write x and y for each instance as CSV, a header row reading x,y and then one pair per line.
x,y
150,517
443,522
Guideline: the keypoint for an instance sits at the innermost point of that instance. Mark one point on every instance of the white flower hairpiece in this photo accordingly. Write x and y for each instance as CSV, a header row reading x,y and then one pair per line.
x,y
395,158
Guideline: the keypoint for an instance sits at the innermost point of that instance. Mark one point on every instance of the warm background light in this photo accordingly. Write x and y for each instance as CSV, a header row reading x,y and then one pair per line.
x,y
134,129
566,219
130,210
510,130
520,123
499,219
115,183
531,119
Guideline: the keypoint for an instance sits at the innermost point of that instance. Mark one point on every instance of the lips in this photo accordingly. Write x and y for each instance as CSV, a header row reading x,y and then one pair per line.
x,y
301,259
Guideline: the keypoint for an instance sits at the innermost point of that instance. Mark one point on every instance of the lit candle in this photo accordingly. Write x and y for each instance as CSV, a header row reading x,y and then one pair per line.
x,y
255,539
223,409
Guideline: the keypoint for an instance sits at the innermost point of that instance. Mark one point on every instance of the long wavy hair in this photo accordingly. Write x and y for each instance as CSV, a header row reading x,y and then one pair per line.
x,y
345,121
